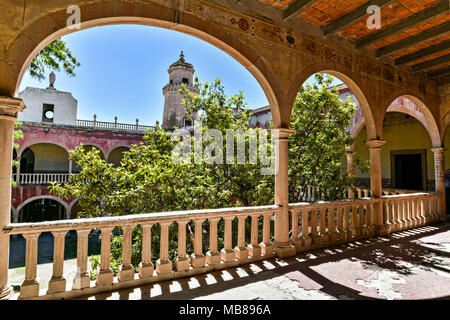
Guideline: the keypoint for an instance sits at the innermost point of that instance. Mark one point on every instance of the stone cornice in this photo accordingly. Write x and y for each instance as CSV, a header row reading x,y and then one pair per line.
x,y
375,144
10,107
438,150
282,133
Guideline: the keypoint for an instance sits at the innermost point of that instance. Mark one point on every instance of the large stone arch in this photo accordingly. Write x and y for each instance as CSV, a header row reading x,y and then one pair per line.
x,y
429,121
92,144
50,23
116,147
32,143
59,200
346,76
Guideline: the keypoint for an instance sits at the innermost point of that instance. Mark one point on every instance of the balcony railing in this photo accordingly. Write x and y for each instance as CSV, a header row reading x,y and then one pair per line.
x,y
113,125
40,178
313,225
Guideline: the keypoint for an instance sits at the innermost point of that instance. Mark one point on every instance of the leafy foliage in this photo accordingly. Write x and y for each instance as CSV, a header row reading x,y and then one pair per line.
x,y
55,56
317,149
18,135
149,180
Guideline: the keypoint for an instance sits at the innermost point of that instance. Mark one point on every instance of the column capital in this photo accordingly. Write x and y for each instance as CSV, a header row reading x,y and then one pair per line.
x,y
282,133
438,150
375,144
9,107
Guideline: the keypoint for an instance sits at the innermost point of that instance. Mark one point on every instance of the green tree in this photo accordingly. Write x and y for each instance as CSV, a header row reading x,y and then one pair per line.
x,y
319,145
55,56
149,180
18,135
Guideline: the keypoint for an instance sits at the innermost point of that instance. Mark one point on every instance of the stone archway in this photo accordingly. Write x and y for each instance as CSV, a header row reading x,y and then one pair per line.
x,y
346,77
47,26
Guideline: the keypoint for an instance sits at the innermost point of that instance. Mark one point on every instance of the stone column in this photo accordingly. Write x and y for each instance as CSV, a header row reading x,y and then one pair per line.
x,y
376,186
18,171
9,107
282,244
350,169
439,176
70,166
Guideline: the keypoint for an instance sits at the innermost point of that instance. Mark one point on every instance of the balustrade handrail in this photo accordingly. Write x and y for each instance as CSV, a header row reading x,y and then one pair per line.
x,y
133,220
112,125
409,195
318,204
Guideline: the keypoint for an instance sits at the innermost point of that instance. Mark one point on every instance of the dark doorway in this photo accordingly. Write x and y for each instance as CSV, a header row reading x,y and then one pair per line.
x,y
409,170
42,210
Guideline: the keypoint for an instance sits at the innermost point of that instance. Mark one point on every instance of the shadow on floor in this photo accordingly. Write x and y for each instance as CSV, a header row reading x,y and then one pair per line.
x,y
394,253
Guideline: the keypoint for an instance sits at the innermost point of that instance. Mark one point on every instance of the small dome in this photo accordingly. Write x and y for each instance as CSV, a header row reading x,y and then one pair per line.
x,y
181,62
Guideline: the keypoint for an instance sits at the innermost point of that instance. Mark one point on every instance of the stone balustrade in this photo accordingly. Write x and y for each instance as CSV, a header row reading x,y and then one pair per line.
x,y
320,224
113,125
41,178
216,257
401,212
312,225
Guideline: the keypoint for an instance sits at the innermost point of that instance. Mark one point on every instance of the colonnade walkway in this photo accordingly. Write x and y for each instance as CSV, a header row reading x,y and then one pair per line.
x,y
412,264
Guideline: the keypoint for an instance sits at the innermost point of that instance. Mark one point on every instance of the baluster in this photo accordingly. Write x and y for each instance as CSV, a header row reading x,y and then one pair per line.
x,y
58,283
409,213
82,279
146,266
241,251
164,265
105,275
266,246
213,256
314,226
355,221
401,214
421,206
198,259
370,225
126,270
182,263
323,224
30,286
295,228
413,212
305,228
340,223
227,254
331,224
254,250
347,230
395,215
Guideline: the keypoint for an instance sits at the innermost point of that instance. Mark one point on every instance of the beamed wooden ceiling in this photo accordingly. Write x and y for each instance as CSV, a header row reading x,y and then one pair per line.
x,y
413,32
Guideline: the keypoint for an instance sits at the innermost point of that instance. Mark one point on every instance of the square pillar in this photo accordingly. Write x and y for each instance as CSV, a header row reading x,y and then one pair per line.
x,y
376,186
282,244
9,108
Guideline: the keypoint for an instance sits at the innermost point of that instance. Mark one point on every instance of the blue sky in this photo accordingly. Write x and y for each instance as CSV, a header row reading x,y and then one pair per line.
x,y
124,68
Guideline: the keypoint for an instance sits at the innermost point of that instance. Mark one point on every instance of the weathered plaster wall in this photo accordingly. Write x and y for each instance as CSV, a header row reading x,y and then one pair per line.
x,y
65,105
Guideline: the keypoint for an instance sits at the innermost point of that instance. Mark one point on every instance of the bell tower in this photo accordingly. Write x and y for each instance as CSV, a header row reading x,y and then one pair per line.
x,y
180,72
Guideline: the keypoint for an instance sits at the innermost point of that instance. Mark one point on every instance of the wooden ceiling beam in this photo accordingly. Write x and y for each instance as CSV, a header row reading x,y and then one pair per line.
x,y
297,7
439,73
441,29
353,16
442,46
431,63
403,25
